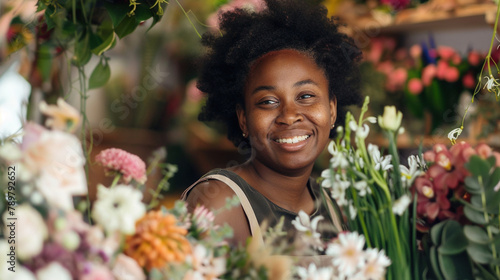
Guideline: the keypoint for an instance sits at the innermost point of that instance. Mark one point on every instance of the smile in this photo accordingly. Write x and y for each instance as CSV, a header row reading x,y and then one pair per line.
x,y
293,140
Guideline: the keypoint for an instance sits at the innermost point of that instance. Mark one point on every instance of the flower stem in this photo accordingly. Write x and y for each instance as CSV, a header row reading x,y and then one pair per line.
x,y
115,180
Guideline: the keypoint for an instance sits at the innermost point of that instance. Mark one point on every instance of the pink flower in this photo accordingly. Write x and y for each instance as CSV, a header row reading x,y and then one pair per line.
x,y
128,165
431,200
415,86
428,74
497,157
452,74
474,58
385,67
484,151
416,51
126,268
98,272
397,79
445,52
376,50
468,80
442,69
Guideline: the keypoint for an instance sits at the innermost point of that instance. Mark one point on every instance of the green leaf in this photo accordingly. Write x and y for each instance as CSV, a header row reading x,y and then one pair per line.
x,y
456,266
477,166
44,62
100,75
117,12
479,253
82,53
453,240
492,160
472,185
476,234
493,179
126,26
433,258
474,216
436,232
143,12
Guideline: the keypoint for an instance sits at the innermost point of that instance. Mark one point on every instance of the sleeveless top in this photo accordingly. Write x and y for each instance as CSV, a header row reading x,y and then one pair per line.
x,y
260,209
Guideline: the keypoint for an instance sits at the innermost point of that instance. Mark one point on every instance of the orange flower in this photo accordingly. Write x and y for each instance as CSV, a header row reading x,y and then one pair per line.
x,y
158,240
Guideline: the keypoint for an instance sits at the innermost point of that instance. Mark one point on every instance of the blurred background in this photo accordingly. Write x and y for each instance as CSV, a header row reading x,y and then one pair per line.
x,y
424,57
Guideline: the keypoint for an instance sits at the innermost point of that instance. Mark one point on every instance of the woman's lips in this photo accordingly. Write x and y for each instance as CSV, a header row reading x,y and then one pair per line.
x,y
292,140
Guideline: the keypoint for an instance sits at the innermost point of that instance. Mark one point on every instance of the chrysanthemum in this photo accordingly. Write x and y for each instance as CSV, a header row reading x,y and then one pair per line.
x,y
119,161
314,273
118,208
157,241
347,252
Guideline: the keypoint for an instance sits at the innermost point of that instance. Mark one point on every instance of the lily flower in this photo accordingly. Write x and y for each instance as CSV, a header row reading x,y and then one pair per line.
x,y
391,119
491,84
453,135
409,174
380,162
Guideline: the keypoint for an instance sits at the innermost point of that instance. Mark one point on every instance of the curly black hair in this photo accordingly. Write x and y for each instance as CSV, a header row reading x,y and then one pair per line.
x,y
285,24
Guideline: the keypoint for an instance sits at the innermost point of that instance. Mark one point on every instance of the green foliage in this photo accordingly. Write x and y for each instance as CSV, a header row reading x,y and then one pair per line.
x,y
471,251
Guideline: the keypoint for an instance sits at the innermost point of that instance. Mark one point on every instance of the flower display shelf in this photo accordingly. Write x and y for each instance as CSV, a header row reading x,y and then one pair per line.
x,y
420,19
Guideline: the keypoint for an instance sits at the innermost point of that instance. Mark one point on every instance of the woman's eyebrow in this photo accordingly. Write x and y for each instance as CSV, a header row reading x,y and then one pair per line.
x,y
259,88
305,82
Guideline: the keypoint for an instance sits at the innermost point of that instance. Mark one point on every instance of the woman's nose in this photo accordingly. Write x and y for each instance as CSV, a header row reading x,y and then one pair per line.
x,y
289,114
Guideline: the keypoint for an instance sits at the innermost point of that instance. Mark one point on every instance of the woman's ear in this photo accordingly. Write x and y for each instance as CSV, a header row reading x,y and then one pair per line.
x,y
333,110
242,119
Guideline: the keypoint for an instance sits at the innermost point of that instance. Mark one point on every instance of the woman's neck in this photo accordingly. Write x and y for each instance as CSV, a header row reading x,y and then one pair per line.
x,y
288,191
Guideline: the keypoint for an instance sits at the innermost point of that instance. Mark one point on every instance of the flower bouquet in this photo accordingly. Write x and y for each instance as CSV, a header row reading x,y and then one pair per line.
x,y
458,210
374,189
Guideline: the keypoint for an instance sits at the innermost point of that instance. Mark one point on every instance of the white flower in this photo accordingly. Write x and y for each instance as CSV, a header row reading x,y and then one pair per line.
x,y
327,181
363,132
338,188
21,273
491,83
391,119
118,208
61,116
347,252
353,125
53,271
204,263
126,268
362,187
56,161
313,273
10,152
400,205
383,163
372,119
308,229
376,263
409,175
453,135
353,212
29,221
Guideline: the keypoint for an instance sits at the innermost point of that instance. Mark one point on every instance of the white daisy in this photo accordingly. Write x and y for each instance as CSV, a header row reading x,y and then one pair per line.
x,y
376,263
314,273
118,208
347,252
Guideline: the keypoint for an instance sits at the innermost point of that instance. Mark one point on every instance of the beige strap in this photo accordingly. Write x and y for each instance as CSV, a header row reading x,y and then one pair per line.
x,y
333,213
247,207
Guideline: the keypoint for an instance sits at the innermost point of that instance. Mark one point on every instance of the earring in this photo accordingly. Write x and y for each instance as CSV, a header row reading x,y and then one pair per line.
x,y
244,134
333,125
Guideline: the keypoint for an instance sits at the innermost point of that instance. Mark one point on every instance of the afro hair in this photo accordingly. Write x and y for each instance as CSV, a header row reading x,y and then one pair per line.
x,y
248,35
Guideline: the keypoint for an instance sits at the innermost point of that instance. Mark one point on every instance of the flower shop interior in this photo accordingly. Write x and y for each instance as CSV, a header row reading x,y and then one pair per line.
x,y
129,82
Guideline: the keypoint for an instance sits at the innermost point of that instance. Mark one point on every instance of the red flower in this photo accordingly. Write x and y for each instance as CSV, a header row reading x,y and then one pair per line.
x,y
127,164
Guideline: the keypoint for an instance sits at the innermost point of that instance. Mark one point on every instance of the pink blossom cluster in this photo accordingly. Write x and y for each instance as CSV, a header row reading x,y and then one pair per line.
x,y
443,183
128,165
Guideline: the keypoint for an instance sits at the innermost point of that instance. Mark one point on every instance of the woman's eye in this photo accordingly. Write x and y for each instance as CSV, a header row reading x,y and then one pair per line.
x,y
267,102
306,96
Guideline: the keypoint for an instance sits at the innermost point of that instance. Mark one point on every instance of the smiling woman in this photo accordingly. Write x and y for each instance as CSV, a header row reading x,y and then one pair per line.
x,y
279,80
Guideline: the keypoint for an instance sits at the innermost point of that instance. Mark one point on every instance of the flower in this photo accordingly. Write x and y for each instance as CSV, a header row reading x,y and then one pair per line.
x,y
408,175
391,119
308,229
55,160
362,187
347,252
118,208
415,86
278,266
313,273
128,165
401,204
203,218
205,264
381,163
376,263
61,116
28,222
126,268
98,272
158,240
453,135
53,271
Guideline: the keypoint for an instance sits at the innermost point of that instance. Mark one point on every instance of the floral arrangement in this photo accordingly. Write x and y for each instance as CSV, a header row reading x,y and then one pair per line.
x,y
425,81
458,211
374,189
52,232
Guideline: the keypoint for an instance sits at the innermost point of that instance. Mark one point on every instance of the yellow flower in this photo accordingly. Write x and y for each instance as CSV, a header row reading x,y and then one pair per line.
x,y
158,240
61,116
391,119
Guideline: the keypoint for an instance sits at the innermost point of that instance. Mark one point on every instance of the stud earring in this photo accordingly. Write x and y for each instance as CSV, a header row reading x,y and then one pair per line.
x,y
244,134
333,125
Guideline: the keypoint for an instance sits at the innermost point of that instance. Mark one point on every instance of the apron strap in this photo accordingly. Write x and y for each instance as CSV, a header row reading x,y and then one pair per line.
x,y
255,230
333,214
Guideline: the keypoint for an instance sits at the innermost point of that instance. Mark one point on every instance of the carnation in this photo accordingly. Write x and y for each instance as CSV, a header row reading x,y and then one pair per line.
x,y
119,161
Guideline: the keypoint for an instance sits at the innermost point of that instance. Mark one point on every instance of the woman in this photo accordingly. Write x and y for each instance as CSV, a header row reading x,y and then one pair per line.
x,y
279,80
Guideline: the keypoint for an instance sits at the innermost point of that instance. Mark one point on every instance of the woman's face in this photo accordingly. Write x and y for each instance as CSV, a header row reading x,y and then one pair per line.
x,y
288,114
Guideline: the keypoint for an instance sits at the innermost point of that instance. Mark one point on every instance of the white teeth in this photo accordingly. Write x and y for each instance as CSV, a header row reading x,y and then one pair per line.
x,y
295,139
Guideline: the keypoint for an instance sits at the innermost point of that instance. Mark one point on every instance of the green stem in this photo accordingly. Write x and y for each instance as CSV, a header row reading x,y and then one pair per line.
x,y
487,220
115,180
192,24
